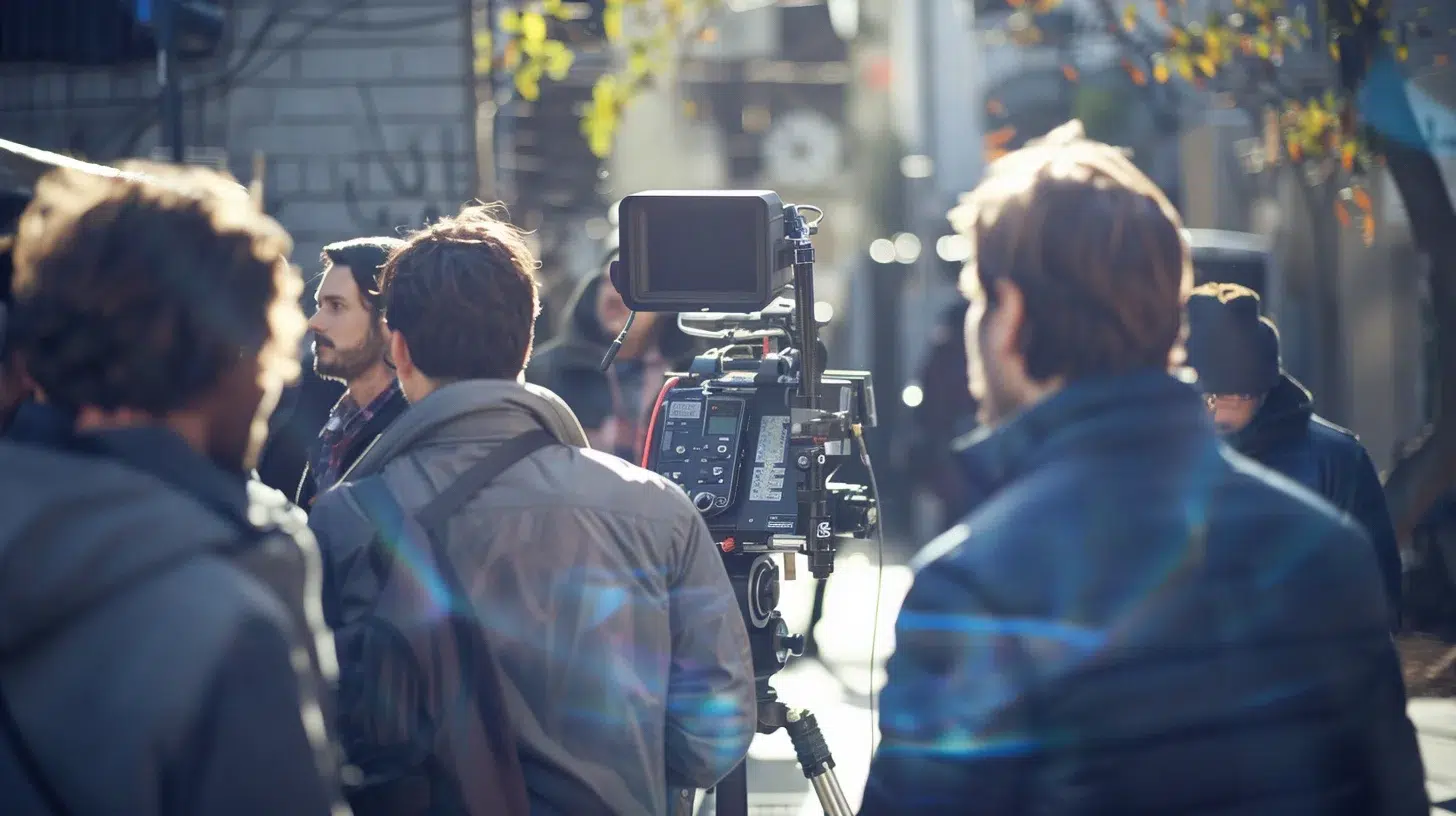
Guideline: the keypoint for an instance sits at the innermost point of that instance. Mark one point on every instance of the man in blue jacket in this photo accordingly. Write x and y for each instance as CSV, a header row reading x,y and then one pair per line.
x,y
1269,416
1133,618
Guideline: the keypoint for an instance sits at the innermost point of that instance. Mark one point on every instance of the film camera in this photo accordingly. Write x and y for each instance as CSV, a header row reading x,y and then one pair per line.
x,y
756,430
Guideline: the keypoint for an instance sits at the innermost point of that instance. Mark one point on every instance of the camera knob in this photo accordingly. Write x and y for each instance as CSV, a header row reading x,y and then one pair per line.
x,y
793,644
703,501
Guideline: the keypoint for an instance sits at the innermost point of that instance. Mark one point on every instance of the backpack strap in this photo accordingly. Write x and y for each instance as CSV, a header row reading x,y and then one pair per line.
x,y
434,515
476,660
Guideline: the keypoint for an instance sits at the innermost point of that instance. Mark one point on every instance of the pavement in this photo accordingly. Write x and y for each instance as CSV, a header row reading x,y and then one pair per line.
x,y
1435,722
854,644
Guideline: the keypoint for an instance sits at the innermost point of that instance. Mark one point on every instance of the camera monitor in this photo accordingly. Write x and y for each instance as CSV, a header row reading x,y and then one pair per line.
x,y
688,250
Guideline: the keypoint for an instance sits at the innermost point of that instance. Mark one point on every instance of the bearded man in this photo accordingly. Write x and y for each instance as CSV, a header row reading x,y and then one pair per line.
x,y
350,346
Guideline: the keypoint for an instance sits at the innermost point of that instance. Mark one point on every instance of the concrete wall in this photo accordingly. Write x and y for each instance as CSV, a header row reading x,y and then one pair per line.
x,y
364,111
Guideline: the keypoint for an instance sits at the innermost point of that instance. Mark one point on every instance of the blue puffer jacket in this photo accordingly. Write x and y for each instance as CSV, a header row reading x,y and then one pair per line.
x,y
1287,436
1137,620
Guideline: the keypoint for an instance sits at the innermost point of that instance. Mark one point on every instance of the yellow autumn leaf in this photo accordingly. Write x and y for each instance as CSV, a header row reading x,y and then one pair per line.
x,y
1183,66
528,82
1347,156
557,59
1129,18
557,9
510,21
1402,53
612,23
638,64
1160,72
533,27
1206,65
1262,48
484,52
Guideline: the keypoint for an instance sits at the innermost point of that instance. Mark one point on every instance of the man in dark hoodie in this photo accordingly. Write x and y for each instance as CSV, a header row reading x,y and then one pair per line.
x,y
613,406
162,647
1265,414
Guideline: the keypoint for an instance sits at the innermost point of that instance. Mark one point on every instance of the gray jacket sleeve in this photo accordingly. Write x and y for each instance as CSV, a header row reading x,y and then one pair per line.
x,y
712,708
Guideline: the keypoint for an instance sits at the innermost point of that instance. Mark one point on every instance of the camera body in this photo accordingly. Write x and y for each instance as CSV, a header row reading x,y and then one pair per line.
x,y
726,435
756,430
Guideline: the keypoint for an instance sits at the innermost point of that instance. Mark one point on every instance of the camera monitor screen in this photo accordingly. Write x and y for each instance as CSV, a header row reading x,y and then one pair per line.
x,y
683,251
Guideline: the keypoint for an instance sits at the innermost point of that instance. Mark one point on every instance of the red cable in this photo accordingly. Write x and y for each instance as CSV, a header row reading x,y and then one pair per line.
x,y
652,421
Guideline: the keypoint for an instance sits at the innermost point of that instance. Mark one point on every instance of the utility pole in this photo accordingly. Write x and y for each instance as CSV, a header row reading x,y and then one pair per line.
x,y
167,78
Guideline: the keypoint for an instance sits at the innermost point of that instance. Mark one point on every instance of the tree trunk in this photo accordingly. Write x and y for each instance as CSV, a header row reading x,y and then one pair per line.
x,y
1420,478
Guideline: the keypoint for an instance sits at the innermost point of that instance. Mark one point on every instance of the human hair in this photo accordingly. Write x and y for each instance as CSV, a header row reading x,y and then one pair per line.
x,y
463,293
141,291
364,257
1093,245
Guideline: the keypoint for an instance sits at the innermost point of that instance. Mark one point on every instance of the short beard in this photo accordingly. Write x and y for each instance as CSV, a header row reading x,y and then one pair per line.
x,y
350,364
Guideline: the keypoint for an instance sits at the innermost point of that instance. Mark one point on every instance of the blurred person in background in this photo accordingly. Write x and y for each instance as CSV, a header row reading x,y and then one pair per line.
x,y
613,406
592,584
162,648
946,412
350,346
1268,416
1133,618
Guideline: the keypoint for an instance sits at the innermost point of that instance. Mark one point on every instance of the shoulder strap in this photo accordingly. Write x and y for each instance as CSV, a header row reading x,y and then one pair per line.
x,y
29,763
439,510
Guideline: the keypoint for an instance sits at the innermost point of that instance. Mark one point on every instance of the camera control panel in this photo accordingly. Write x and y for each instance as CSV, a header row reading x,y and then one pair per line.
x,y
697,446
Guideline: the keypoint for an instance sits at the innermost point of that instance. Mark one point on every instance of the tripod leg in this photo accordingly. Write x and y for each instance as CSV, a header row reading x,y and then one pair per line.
x,y
730,797
816,762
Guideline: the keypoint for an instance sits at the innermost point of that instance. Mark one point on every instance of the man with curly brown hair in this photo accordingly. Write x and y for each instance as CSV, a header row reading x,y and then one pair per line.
x,y
161,640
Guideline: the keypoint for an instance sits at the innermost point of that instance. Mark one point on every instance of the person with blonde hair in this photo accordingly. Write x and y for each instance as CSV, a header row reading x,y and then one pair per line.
x,y
1132,618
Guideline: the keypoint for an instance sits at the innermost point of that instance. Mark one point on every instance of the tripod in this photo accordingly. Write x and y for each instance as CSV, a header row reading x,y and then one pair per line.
x,y
813,754
756,583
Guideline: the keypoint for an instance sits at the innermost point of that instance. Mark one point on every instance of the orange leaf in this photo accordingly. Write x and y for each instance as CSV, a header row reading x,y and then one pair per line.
x,y
1070,73
1362,199
1442,59
1342,215
1163,9
1368,231
995,108
1347,156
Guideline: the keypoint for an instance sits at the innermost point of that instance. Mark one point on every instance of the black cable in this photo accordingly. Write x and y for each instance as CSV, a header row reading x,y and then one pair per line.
x,y
864,454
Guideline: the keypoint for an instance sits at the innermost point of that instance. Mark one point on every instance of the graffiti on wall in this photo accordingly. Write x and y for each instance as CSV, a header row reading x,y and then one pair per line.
x,y
406,172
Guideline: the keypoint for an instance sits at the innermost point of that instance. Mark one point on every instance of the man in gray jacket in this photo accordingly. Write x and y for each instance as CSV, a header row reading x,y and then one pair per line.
x,y
624,661
162,648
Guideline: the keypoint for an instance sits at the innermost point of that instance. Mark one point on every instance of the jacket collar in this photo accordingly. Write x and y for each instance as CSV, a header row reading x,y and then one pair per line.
x,y
1285,414
472,411
1106,411
154,450
163,454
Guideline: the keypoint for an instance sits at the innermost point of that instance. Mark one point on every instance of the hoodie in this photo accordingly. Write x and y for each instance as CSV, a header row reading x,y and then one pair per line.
x,y
1287,436
612,405
148,637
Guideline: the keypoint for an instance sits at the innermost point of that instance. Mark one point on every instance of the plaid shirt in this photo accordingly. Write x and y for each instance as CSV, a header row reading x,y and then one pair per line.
x,y
345,423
